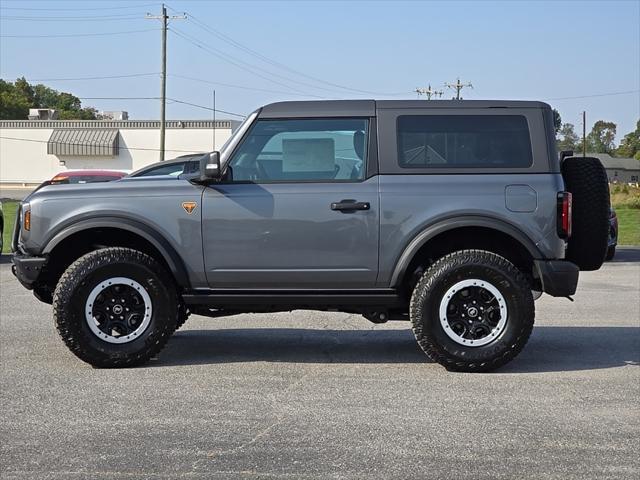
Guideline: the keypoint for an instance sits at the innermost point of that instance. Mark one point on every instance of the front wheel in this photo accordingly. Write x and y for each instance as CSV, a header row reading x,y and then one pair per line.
x,y
611,252
115,307
472,311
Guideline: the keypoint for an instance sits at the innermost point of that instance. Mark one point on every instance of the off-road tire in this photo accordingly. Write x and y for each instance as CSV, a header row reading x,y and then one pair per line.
x,y
183,315
611,252
88,271
586,179
464,265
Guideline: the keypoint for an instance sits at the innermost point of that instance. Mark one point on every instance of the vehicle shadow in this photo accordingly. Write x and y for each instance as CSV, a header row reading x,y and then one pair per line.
x,y
550,349
5,259
626,255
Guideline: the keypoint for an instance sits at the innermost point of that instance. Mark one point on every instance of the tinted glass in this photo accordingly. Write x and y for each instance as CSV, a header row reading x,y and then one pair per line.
x,y
458,141
191,167
170,169
86,179
302,150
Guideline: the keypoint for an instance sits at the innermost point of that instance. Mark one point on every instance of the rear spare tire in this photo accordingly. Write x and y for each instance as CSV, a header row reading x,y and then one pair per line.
x,y
586,179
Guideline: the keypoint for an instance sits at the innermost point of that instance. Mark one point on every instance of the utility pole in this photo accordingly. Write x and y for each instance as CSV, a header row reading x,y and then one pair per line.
x,y
458,87
163,85
584,133
429,92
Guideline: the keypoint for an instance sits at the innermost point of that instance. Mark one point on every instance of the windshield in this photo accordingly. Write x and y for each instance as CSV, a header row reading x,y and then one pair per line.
x,y
230,144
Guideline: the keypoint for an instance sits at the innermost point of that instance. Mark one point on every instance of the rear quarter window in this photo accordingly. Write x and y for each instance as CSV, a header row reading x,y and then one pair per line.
x,y
463,141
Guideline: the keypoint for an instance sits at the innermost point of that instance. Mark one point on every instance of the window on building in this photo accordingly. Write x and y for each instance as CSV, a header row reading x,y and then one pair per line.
x,y
464,141
302,150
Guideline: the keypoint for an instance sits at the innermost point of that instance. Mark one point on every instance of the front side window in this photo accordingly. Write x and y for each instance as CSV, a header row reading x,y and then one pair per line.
x,y
464,141
302,150
173,169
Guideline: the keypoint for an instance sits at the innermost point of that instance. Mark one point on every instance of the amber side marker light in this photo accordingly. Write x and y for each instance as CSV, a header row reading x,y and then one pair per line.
x,y
27,220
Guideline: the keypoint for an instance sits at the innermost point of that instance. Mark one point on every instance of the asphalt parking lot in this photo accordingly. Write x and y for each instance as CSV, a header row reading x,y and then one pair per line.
x,y
315,396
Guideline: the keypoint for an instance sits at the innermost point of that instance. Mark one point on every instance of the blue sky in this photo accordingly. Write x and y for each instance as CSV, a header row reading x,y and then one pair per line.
x,y
508,50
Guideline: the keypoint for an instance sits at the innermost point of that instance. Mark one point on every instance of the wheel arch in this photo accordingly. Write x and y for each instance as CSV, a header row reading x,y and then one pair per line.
x,y
133,229
482,229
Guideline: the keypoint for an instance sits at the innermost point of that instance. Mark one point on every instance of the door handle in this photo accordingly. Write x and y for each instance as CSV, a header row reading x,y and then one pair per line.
x,y
350,206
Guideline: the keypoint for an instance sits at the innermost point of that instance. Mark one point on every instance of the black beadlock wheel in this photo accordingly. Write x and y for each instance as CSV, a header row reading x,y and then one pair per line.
x,y
115,307
472,311
586,179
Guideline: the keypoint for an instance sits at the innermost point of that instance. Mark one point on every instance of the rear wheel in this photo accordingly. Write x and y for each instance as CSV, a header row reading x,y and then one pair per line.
x,y
472,311
115,307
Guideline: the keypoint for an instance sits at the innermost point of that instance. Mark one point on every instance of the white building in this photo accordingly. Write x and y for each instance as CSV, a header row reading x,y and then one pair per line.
x,y
113,115
32,151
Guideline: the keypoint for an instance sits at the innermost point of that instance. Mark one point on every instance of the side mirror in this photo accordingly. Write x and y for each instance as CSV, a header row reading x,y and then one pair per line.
x,y
564,154
210,169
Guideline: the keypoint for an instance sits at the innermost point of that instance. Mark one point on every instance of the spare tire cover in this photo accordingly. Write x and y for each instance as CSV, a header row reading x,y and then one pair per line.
x,y
586,179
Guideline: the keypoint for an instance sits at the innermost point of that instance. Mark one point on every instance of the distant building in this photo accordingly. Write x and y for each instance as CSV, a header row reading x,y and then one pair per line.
x,y
42,114
619,170
113,115
32,151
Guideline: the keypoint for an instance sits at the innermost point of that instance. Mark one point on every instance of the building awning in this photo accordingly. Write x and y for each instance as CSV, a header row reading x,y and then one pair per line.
x,y
94,142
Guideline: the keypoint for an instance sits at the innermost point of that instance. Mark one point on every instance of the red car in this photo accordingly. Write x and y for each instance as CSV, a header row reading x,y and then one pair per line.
x,y
86,176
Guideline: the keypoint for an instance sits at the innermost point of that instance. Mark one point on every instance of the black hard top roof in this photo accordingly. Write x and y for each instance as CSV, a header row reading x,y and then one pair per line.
x,y
341,108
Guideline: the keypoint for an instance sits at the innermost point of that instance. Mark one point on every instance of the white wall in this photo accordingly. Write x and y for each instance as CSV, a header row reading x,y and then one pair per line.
x,y
27,162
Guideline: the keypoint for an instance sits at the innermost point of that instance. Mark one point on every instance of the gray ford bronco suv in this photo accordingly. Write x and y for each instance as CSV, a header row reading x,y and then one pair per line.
x,y
453,215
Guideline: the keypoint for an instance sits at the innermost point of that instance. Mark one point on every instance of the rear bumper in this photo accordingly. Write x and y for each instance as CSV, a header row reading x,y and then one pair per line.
x,y
559,278
27,269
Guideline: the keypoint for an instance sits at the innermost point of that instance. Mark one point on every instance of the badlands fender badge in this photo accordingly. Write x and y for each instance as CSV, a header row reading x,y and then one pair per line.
x,y
189,207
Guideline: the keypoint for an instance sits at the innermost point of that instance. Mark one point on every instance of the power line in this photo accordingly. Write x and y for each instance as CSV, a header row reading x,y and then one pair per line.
x,y
78,8
275,63
72,17
104,18
119,98
205,108
242,87
88,145
247,67
108,77
81,34
237,63
594,95
171,100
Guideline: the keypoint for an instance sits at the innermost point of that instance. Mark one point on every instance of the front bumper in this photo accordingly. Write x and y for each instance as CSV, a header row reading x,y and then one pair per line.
x,y
559,278
27,269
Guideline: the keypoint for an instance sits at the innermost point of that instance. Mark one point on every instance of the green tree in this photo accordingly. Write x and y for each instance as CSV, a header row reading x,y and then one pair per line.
x,y
87,113
23,88
13,105
557,120
630,144
16,99
601,137
567,138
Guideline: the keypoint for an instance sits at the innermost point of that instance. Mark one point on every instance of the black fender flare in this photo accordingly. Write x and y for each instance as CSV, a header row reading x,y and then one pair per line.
x,y
169,254
432,230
